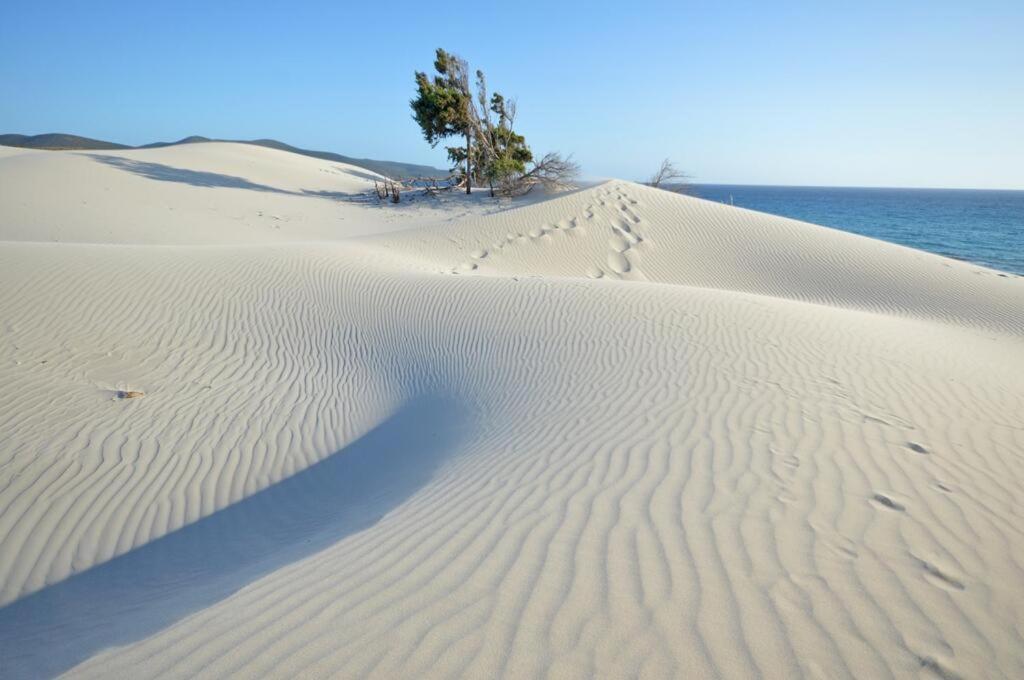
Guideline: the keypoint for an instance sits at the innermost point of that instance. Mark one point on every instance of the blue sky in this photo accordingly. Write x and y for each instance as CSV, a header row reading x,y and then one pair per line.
x,y
862,94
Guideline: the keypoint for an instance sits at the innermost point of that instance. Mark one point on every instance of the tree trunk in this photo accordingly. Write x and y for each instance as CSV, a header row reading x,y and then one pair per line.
x,y
469,176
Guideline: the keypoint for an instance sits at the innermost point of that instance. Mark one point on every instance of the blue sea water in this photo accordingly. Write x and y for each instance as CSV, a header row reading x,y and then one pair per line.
x,y
981,226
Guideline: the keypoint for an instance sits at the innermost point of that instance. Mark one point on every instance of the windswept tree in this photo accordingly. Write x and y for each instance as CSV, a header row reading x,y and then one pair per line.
x,y
494,153
503,152
443,105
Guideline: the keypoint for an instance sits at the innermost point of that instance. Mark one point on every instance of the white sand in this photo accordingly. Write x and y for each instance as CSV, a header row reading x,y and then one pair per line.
x,y
752,446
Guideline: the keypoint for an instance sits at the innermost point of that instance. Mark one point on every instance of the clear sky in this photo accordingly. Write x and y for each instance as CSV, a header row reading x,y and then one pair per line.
x,y
821,93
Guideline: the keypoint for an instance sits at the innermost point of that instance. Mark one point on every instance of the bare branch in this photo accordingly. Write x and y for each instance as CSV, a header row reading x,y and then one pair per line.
x,y
552,172
667,174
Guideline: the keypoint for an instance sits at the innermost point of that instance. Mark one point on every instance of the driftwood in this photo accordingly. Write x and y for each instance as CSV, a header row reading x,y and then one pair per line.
x,y
431,186
391,189
129,394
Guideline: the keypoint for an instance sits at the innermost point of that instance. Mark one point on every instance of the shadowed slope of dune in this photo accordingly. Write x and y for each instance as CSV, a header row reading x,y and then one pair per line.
x,y
167,173
149,588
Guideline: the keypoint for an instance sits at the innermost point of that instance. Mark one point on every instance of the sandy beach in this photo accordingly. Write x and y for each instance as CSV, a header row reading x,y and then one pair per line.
x,y
255,423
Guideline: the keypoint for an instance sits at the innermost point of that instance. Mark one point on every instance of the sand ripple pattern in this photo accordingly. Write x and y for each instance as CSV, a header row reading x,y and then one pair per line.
x,y
641,436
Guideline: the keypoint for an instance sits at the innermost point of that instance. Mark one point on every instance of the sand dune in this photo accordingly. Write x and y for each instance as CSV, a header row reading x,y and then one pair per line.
x,y
615,433
216,193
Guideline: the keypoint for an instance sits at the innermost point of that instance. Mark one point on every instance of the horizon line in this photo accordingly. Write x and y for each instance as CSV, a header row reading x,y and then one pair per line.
x,y
851,186
721,184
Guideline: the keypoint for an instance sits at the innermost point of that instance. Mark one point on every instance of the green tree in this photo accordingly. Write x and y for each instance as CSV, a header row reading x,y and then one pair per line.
x,y
506,153
494,152
443,107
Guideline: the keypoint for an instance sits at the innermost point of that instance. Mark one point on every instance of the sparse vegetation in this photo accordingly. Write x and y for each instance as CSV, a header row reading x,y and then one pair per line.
x,y
670,178
388,189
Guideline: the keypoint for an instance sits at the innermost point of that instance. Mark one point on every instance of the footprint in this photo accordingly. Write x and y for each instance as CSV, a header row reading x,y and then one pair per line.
x,y
627,231
916,448
887,502
618,244
618,263
631,215
536,232
478,254
595,272
623,227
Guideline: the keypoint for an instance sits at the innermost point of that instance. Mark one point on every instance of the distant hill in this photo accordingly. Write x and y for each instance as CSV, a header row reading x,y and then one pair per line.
x,y
187,140
56,141
389,168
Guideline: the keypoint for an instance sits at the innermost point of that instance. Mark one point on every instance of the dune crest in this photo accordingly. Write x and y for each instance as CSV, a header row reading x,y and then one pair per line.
x,y
618,432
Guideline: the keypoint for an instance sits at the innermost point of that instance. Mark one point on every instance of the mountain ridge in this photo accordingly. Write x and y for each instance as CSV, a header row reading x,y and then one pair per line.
x,y
55,141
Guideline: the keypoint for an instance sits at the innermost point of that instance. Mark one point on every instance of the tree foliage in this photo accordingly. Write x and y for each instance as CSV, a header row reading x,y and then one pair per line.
x,y
494,153
443,104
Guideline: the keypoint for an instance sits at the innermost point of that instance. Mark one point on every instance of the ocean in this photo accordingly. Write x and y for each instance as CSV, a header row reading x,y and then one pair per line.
x,y
981,226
